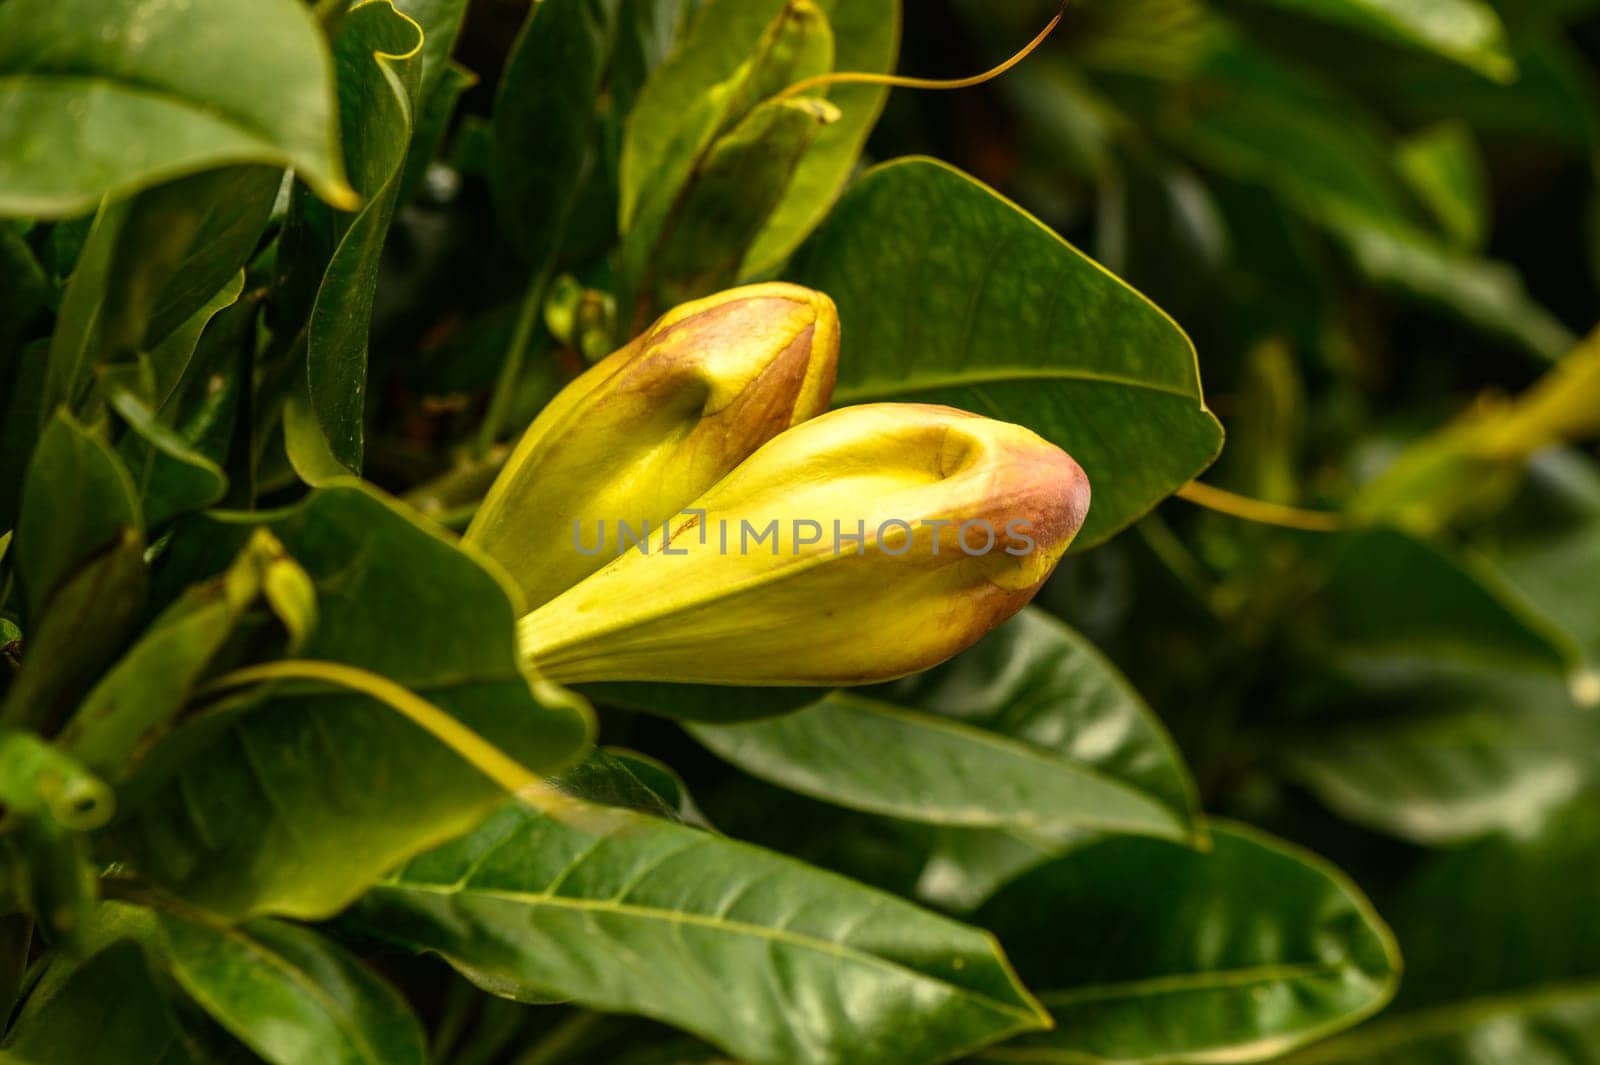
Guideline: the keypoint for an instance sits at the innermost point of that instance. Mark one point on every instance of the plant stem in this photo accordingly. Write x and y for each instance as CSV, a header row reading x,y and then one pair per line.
x,y
1257,510
505,386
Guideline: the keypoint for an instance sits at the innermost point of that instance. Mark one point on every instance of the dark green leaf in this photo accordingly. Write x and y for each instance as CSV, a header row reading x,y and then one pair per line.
x,y
1393,595
996,314
624,912
544,120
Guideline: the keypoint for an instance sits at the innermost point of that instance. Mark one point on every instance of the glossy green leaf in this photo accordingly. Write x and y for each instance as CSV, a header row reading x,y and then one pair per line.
x,y
378,54
1145,951
609,780
1029,732
867,38
774,961
1466,31
995,314
310,794
105,97
288,993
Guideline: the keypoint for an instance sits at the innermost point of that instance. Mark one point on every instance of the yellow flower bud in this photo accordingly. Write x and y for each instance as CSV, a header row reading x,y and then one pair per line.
x,y
656,423
762,581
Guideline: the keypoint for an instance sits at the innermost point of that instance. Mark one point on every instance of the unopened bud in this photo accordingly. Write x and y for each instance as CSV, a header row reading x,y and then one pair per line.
x,y
656,423
862,545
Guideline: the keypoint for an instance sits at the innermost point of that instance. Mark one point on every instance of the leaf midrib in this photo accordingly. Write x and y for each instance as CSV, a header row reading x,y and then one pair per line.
x,y
1182,983
1013,747
742,928
878,389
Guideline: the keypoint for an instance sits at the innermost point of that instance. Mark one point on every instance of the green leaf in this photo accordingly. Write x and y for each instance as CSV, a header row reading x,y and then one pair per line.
x,y
288,993
1391,595
181,245
41,780
770,959
434,112
310,794
711,703
378,54
74,346
27,292
1484,293
866,38
143,694
1445,167
77,500
949,293
105,97
1030,733
440,22
109,1003
1526,895
1540,561
77,633
46,801
722,36
1262,122
1466,31
1558,1026
544,120
738,182
1439,755
1155,953
605,778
